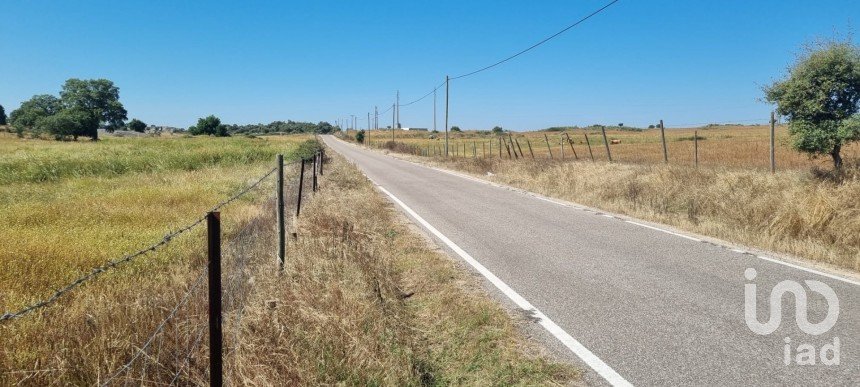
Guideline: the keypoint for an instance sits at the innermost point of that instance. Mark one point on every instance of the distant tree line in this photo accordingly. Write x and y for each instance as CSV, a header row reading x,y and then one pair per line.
x,y
288,127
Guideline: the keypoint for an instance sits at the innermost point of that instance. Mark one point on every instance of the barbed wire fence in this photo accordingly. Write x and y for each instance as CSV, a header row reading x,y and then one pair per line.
x,y
175,350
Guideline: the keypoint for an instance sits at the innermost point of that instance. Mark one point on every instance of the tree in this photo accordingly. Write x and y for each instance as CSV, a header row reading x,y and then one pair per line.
x,y
70,122
37,107
136,125
98,96
498,129
2,115
820,96
359,137
455,129
207,125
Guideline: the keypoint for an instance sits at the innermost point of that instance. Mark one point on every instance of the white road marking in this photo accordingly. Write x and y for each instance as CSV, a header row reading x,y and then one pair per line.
x,y
603,369
579,207
662,230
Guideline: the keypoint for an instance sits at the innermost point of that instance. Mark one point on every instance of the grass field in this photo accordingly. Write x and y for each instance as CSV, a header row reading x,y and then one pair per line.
x,y
719,146
339,313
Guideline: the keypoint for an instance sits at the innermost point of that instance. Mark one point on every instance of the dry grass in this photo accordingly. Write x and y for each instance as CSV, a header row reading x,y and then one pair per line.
x,y
736,147
362,301
791,212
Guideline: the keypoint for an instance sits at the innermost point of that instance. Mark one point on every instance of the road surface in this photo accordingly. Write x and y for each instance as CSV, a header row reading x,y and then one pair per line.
x,y
631,302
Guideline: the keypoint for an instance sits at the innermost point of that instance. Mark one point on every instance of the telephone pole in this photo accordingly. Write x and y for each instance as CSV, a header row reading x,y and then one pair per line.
x,y
447,81
397,107
375,118
393,119
434,110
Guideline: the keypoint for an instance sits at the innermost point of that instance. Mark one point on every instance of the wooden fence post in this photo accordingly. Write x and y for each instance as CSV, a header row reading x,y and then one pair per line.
x,y
570,142
484,149
529,143
474,149
301,184
547,145
606,143
511,139
663,139
590,153
282,239
216,339
520,148
772,142
322,160
696,147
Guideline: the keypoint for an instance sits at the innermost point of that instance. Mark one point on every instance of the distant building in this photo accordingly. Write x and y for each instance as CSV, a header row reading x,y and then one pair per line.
x,y
416,129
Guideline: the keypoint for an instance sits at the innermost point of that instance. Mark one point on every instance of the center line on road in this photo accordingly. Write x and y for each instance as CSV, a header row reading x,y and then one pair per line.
x,y
603,369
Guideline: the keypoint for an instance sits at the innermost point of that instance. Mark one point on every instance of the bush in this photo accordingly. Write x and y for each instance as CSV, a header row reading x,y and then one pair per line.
x,y
359,137
455,129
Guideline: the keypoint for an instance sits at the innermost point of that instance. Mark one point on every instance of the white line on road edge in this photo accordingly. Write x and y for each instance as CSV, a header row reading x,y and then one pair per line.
x,y
578,349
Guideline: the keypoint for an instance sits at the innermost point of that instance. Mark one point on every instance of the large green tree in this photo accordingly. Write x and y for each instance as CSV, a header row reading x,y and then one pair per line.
x,y
38,107
210,125
2,115
99,96
69,123
136,125
820,96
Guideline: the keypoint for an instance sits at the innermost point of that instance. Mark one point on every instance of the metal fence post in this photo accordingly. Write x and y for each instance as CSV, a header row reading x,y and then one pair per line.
x,y
216,343
301,184
548,148
314,178
322,160
590,153
281,227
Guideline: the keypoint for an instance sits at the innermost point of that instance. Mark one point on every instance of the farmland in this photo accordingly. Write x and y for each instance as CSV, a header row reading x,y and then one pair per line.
x,y
733,146
68,207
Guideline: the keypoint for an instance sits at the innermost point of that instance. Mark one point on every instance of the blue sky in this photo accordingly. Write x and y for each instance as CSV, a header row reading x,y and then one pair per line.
x,y
686,62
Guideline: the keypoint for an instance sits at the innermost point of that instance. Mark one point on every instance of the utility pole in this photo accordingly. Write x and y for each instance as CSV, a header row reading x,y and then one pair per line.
x,y
447,81
393,119
434,110
397,107
375,118
368,121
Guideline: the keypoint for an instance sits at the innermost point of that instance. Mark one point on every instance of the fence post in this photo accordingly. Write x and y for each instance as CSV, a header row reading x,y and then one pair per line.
x,y
570,142
696,146
520,148
301,184
605,142
531,152
474,149
216,342
772,142
281,228
484,149
322,160
511,139
500,148
663,139
547,145
314,174
590,153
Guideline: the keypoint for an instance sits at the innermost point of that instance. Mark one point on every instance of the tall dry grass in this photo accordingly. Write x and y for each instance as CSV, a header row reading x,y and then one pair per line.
x,y
362,301
792,212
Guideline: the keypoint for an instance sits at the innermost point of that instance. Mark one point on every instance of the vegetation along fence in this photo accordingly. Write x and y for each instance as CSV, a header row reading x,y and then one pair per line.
x,y
177,341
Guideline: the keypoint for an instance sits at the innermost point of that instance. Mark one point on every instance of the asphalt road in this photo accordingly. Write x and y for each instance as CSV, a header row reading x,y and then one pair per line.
x,y
644,306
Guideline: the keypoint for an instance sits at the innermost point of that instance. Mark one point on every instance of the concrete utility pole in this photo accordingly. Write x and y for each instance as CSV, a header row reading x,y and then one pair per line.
x,y
397,107
375,118
393,120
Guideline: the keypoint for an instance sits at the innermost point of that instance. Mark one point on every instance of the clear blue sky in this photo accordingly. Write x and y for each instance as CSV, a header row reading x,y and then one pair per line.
x,y
639,61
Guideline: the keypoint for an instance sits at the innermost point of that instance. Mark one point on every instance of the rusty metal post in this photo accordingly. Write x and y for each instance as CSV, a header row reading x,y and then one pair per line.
x,y
280,212
216,339
606,143
590,153
314,174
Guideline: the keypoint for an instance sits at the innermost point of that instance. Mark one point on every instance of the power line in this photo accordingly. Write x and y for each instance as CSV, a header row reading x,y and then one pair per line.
x,y
578,22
